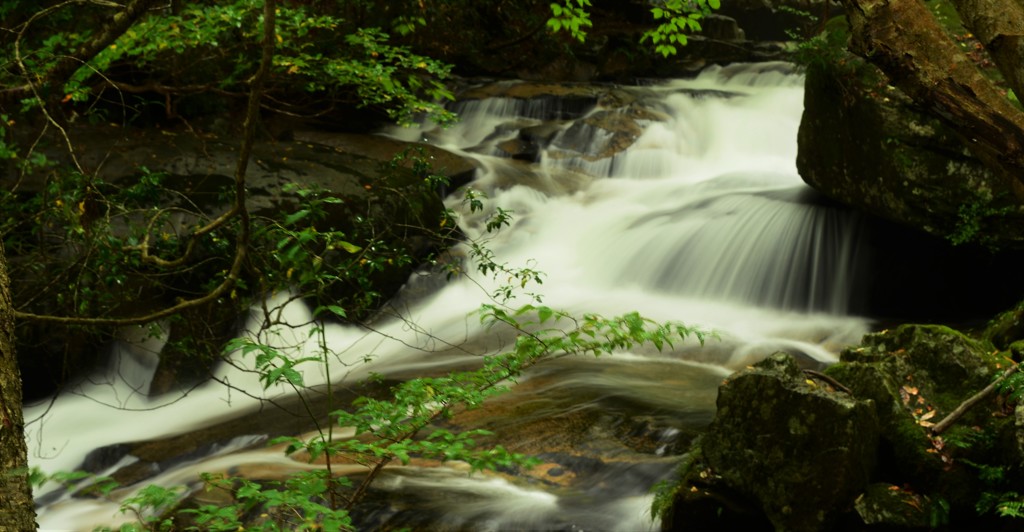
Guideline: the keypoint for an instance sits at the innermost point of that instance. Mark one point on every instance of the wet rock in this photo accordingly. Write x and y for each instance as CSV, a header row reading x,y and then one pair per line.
x,y
798,448
603,134
539,100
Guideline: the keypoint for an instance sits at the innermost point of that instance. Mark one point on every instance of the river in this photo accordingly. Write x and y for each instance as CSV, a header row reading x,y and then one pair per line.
x,y
700,217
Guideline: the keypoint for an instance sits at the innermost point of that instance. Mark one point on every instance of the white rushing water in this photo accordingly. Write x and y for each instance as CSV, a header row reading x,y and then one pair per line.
x,y
702,219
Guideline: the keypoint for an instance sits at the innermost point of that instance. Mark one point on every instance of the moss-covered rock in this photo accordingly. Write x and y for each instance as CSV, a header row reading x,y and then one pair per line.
x,y
916,375
1007,329
798,447
785,444
865,144
943,360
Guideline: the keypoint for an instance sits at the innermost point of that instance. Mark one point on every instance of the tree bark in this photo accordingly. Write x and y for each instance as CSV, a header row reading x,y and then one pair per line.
x,y
999,25
16,510
902,38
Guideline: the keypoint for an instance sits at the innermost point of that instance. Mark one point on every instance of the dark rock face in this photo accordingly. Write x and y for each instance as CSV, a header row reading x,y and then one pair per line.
x,y
797,448
865,144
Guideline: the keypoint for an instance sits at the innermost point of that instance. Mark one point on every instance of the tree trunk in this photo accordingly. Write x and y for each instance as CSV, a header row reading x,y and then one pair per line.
x,y
16,510
903,39
999,25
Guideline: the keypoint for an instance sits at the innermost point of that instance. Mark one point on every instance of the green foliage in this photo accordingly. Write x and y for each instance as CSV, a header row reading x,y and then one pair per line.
x,y
7,149
148,505
1004,504
980,450
675,19
571,16
215,46
972,217
298,503
817,44
1012,388
79,228
938,514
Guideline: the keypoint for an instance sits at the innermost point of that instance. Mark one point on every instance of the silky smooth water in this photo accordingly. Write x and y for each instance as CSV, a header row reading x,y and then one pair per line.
x,y
702,219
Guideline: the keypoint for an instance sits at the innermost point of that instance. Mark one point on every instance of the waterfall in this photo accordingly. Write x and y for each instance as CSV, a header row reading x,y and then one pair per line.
x,y
677,199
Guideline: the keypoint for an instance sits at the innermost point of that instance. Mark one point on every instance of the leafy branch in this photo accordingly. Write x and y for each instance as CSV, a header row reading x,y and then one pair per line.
x,y
238,210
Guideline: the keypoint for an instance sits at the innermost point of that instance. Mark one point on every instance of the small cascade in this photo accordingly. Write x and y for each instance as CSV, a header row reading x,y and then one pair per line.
x,y
767,249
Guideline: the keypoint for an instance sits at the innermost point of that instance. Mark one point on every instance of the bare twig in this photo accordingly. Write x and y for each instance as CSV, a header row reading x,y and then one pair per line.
x,y
821,376
953,416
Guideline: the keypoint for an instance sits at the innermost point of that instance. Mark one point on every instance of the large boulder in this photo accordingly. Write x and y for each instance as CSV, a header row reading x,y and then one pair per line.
x,y
865,144
799,448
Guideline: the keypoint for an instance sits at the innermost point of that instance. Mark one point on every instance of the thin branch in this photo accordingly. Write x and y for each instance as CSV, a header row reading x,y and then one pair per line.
x,y
821,376
953,416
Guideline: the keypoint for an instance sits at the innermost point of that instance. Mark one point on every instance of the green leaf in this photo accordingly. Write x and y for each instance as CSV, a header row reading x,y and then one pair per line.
x,y
337,311
296,216
349,247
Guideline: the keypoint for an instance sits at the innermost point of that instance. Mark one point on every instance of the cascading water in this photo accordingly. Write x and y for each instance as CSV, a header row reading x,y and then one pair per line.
x,y
679,200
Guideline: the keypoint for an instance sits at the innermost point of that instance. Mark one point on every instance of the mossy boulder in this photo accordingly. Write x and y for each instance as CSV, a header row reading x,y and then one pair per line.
x,y
937,358
916,375
1006,330
865,144
799,448
785,445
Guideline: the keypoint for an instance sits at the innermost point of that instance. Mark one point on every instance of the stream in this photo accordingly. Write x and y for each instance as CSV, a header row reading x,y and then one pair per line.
x,y
700,217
